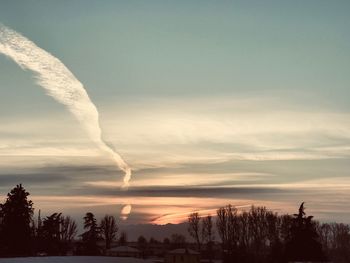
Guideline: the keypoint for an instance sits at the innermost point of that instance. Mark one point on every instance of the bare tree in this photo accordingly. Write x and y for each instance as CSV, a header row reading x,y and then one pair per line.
x,y
208,235
194,228
68,229
335,239
244,237
233,228
258,229
221,224
228,228
109,229
207,229
285,222
325,233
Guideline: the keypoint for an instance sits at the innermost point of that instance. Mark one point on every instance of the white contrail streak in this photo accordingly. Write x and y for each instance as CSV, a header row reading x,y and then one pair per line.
x,y
61,84
125,212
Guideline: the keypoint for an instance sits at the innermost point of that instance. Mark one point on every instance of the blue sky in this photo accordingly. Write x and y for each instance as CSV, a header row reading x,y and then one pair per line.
x,y
247,100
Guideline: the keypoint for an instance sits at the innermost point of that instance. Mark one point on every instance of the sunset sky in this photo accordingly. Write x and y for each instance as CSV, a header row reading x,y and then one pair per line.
x,y
209,102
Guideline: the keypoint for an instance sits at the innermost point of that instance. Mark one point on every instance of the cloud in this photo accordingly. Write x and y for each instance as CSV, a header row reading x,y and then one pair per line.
x,y
59,83
159,134
200,153
170,203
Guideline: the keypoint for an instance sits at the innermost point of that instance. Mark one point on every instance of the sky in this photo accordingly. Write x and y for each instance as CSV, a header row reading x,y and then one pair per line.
x,y
209,102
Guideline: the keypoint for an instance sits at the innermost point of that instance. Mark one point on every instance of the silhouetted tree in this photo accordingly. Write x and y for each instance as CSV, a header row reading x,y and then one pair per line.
x,y
244,235
285,224
194,228
2,252
221,224
109,230
141,240
228,229
55,233
123,239
51,234
68,229
335,239
303,244
208,235
250,236
152,240
177,241
261,231
68,232
166,241
91,235
142,245
273,245
16,214
257,235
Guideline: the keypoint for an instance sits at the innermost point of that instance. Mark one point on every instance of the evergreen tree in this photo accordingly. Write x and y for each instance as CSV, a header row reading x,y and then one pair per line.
x,y
51,234
91,235
2,252
303,244
16,214
123,239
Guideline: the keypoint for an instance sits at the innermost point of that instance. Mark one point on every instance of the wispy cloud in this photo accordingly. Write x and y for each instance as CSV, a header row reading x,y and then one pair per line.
x,y
198,131
212,152
59,83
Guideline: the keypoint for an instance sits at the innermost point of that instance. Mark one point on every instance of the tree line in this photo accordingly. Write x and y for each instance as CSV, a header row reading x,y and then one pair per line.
x,y
260,235
255,235
20,235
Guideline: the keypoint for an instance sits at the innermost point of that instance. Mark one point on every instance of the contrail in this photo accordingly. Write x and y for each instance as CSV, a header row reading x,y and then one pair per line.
x,y
59,83
125,212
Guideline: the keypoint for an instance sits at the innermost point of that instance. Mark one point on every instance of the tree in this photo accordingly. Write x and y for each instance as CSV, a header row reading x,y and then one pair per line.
x,y
141,240
166,241
109,229
229,232
260,230
221,225
142,244
335,238
2,252
194,228
51,234
152,240
68,231
208,235
303,244
16,214
123,239
91,235
55,234
178,241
